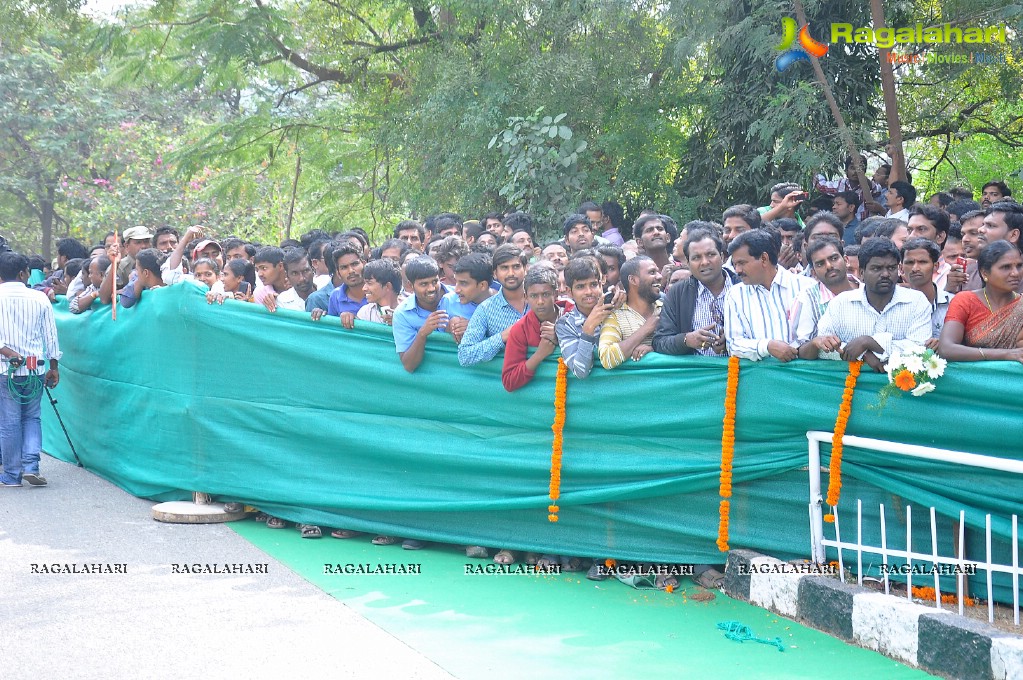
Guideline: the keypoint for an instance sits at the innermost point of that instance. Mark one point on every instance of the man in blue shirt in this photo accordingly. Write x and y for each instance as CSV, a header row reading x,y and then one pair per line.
x,y
420,314
487,331
473,275
349,297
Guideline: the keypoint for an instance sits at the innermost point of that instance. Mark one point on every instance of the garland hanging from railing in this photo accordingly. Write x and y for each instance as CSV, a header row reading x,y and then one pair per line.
x,y
727,452
560,395
844,411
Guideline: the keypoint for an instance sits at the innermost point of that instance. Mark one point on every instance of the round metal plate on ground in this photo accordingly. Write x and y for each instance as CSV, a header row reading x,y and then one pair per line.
x,y
187,512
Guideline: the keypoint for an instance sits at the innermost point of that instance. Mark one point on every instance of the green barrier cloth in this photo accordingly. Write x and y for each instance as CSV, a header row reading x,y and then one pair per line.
x,y
322,425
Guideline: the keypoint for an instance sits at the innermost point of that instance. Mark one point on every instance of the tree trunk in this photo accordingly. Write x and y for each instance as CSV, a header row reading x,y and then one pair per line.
x,y
46,220
891,103
836,113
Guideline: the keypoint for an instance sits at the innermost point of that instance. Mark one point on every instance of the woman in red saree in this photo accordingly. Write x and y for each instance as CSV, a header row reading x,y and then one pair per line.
x,y
987,324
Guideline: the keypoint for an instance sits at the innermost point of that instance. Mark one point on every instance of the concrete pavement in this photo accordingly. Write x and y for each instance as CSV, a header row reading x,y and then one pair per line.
x,y
150,622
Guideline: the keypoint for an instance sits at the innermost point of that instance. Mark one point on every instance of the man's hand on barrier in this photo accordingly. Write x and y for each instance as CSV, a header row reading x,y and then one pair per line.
x,y
871,360
857,346
317,314
782,351
270,302
347,320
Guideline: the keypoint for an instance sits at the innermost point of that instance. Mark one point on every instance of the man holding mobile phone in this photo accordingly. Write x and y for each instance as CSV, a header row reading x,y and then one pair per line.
x,y
27,333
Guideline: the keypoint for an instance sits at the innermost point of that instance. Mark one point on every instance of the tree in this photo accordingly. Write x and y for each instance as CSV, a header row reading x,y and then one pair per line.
x,y
48,121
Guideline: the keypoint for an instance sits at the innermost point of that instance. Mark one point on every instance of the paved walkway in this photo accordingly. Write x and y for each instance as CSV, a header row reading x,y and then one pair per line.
x,y
152,623
299,620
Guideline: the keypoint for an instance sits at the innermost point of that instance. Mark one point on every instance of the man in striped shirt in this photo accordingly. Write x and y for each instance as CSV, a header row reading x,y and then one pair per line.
x,y
757,310
627,332
27,330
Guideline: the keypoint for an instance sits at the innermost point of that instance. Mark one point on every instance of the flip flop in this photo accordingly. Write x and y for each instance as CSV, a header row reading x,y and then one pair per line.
x,y
548,561
664,580
504,557
476,551
385,540
712,579
345,533
310,531
275,523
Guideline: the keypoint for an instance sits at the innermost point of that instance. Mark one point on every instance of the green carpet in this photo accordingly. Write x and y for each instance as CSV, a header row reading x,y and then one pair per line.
x,y
563,626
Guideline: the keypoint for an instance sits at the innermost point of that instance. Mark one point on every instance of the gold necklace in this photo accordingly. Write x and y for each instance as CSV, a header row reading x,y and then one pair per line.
x,y
987,301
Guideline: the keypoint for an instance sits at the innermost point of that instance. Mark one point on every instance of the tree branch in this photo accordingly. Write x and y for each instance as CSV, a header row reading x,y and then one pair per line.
x,y
23,197
323,73
296,90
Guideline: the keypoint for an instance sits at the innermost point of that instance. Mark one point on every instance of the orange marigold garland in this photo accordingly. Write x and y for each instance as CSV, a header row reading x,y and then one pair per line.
x,y
844,411
560,394
925,593
727,451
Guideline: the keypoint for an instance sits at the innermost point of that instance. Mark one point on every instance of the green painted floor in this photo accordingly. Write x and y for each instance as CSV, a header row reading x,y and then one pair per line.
x,y
563,626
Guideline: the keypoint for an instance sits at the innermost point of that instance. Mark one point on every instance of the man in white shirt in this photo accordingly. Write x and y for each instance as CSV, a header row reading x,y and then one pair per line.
x,y
27,333
900,195
757,310
871,321
300,275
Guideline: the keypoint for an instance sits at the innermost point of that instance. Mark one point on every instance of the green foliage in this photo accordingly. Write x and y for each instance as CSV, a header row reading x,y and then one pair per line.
x,y
542,161
132,181
339,113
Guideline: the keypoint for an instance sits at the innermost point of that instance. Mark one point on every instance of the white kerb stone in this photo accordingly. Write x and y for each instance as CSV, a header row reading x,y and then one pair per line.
x,y
1007,658
776,591
888,624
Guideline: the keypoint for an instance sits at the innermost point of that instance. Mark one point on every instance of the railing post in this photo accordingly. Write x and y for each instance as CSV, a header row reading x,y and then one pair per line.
x,y
816,500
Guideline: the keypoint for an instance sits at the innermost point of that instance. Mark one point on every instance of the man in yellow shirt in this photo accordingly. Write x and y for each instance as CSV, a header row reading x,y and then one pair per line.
x,y
628,331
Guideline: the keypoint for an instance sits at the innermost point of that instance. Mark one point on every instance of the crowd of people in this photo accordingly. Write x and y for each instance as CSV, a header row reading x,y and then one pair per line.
x,y
849,275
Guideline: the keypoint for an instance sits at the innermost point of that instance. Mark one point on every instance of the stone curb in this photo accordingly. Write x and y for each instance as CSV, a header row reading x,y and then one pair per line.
x,y
938,642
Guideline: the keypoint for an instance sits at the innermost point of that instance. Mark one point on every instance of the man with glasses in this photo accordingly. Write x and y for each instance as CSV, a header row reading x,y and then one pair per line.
x,y
692,319
757,311
870,322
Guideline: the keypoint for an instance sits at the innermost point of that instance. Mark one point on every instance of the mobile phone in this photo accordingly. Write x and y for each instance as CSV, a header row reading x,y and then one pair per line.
x,y
961,261
608,297
243,288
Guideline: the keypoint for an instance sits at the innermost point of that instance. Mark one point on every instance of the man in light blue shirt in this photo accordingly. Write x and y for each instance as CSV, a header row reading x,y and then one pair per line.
x,y
487,332
421,313
473,275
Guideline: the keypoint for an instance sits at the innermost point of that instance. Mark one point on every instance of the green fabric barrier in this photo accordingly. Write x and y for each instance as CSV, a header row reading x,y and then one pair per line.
x,y
322,425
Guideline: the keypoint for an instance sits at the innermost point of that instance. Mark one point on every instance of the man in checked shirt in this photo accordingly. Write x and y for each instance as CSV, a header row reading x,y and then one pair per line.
x,y
27,333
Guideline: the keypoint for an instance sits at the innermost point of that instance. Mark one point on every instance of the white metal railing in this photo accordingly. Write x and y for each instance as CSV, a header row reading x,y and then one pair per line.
x,y
957,564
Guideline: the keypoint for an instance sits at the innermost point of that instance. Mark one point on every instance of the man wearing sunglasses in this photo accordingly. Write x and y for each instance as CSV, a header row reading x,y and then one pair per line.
x,y
692,319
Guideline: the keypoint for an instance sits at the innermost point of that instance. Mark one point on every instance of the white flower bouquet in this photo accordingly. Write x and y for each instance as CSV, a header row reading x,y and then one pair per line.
x,y
914,371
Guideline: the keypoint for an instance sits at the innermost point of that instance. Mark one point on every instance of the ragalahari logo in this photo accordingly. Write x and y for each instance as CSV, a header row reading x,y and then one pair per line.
x,y
791,52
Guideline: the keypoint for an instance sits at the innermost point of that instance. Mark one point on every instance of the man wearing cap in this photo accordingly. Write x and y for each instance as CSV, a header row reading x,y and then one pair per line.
x,y
210,249
135,240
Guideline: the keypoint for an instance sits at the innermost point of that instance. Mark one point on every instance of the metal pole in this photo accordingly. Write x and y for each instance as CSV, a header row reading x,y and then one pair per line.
x,y
816,501
53,403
